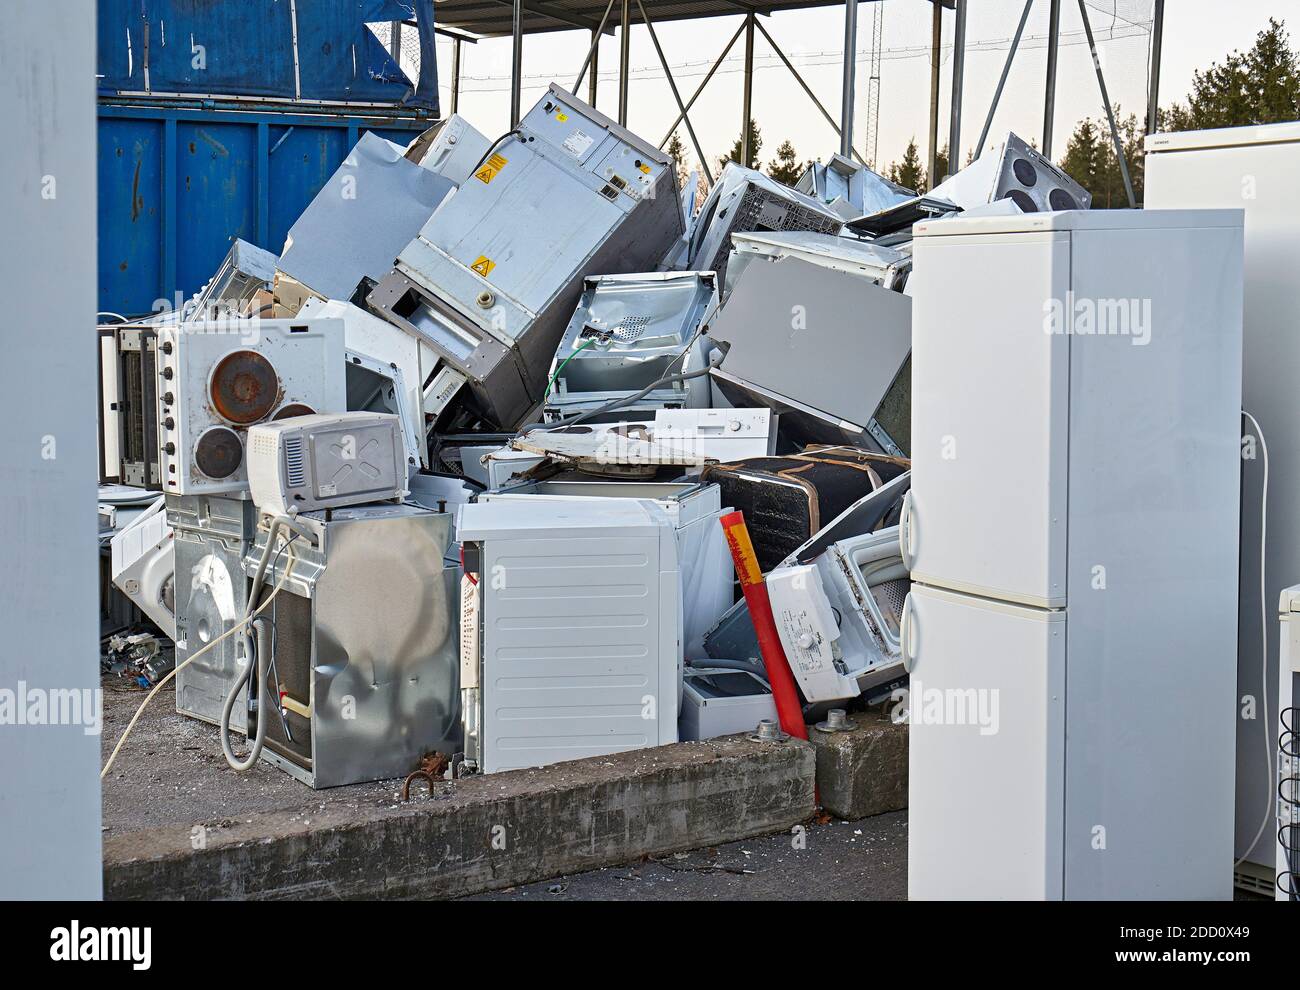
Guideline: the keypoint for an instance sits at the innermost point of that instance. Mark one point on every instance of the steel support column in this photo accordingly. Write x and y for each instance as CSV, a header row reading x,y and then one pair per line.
x,y
624,54
455,75
746,152
936,44
958,83
850,72
1153,95
517,64
1049,100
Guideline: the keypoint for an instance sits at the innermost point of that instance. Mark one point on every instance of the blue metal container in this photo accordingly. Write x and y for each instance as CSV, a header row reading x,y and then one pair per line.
x,y
177,185
190,159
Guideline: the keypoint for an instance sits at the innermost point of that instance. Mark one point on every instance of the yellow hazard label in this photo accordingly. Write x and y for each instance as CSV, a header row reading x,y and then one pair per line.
x,y
483,265
644,168
561,117
489,169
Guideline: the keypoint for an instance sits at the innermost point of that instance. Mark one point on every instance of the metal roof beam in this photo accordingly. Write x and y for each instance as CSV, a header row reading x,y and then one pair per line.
x,y
554,13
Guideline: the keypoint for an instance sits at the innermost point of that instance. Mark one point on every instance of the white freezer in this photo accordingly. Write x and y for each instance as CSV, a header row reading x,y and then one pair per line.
x,y
1063,475
986,777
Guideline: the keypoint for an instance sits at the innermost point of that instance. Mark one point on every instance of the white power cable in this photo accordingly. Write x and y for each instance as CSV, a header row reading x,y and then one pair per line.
x,y
1263,623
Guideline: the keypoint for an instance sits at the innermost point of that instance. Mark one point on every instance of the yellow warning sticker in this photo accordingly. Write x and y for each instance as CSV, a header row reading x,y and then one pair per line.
x,y
644,168
489,169
483,265
561,117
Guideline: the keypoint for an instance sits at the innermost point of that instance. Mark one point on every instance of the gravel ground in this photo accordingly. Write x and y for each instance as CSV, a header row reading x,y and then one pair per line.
x,y
171,772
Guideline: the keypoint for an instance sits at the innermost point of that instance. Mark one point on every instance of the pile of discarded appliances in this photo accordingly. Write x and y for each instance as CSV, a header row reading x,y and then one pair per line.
x,y
448,474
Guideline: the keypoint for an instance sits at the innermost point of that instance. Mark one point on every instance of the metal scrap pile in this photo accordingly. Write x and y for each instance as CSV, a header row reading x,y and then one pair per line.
x,y
585,374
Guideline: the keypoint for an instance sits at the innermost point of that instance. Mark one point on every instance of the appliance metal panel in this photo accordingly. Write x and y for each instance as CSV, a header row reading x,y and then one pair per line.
x,y
581,640
1209,174
386,636
383,639
626,332
533,210
1155,462
211,596
693,509
217,378
137,407
989,464
785,311
367,210
986,795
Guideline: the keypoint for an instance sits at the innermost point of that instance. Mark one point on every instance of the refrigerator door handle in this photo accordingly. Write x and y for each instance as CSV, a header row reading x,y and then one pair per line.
x,y
906,524
906,633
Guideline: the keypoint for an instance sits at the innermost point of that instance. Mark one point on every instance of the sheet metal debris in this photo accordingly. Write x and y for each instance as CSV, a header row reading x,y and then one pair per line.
x,y
585,375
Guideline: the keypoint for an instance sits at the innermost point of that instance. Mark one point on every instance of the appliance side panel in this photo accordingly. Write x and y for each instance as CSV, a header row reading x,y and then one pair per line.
x,y
1261,179
989,411
572,647
1153,529
386,668
986,749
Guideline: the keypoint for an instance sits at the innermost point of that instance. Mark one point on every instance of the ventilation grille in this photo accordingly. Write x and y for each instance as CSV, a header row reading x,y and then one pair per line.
x,y
624,331
760,210
295,466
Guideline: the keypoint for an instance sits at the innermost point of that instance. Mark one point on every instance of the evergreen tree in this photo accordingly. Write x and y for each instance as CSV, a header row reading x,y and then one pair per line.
x,y
940,169
1091,161
1261,86
787,168
678,152
908,172
1086,156
755,144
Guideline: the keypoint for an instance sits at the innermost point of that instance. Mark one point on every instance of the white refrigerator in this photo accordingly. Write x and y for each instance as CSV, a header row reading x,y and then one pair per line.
x,y
1071,534
1255,169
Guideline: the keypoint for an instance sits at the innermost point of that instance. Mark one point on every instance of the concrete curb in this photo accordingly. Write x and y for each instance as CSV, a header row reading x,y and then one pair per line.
x,y
863,771
482,833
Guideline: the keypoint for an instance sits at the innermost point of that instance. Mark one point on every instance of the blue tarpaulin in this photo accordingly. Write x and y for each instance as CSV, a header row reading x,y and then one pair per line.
x,y
219,48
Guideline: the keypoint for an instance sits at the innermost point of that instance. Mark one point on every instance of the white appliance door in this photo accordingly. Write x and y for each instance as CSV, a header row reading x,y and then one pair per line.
x,y
986,712
990,403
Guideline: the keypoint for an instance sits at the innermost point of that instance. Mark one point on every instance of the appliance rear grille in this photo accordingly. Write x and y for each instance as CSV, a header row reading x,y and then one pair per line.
x,y
295,466
759,210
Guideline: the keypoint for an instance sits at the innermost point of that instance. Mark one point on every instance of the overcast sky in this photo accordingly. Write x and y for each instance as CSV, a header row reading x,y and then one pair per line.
x,y
1196,33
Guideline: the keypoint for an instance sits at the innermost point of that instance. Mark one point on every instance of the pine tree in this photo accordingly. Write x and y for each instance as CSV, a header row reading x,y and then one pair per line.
x,y
940,170
787,168
678,152
1085,157
908,172
1261,86
1091,161
755,144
